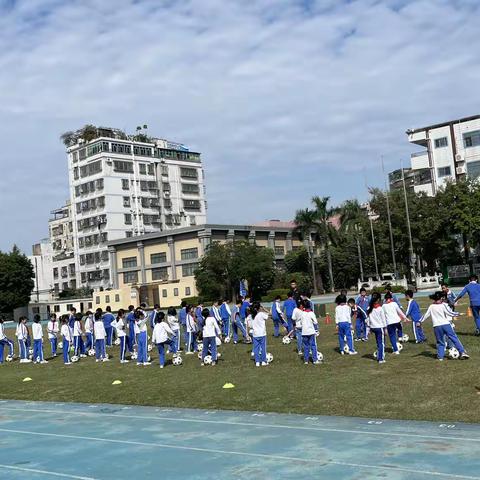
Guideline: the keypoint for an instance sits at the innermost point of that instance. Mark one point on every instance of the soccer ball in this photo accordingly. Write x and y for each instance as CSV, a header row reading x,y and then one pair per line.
x,y
319,356
150,347
117,341
346,349
226,340
177,360
269,357
38,359
200,347
30,351
207,360
134,355
399,346
286,340
60,345
74,359
453,353
405,338
375,354
219,355
9,358
91,352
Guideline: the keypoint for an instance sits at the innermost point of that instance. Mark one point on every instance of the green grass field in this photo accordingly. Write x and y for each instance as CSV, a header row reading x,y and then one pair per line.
x,y
413,385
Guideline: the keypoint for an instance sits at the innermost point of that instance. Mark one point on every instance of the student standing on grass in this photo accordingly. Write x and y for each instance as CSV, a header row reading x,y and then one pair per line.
x,y
377,322
67,339
394,316
225,316
78,345
141,332
191,331
238,324
289,306
5,341
22,335
71,318
100,335
244,308
211,331
449,295
162,337
198,315
37,334
297,325
52,330
277,316
309,328
215,313
257,322
175,327
89,324
343,320
182,320
441,315
132,338
152,315
362,303
473,290
413,311
119,325
108,318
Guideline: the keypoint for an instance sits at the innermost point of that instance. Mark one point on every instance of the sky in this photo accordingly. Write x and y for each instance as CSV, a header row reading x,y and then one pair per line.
x,y
285,99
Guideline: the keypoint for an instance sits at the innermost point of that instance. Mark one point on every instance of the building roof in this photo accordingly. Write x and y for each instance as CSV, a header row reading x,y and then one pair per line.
x,y
444,124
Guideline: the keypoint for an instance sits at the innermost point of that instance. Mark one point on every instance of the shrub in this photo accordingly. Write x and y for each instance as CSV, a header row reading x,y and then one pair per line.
x,y
271,294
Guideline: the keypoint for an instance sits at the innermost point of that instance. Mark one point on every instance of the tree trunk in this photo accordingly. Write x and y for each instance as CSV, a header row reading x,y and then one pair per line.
x,y
360,259
330,268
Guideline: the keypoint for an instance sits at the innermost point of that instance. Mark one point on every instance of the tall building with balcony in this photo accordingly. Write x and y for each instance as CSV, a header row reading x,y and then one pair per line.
x,y
124,186
451,151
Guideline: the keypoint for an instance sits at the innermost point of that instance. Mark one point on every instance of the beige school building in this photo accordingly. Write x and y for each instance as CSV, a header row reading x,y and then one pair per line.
x,y
159,267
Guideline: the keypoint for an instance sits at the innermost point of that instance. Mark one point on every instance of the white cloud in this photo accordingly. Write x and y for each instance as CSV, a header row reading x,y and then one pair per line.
x,y
285,98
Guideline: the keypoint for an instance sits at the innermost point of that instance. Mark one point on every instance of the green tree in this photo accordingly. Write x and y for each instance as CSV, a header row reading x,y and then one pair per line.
x,y
16,280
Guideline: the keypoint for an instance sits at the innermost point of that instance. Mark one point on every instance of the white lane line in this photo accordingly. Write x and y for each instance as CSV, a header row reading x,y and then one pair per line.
x,y
247,424
322,463
44,472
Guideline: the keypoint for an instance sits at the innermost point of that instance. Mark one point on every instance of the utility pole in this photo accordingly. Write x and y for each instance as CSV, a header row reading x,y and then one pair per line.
x,y
392,245
372,217
409,229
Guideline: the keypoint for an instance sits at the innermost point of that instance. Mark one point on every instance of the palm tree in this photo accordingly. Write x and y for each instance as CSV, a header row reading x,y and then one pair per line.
x,y
351,215
305,225
324,231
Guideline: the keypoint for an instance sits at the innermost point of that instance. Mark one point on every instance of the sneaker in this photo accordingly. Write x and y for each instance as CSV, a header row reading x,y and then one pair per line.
x,y
354,352
139,364
124,361
54,355
257,364
106,360
465,355
69,363
97,360
342,353
358,339
396,353
381,361
299,353
202,364
161,366
305,363
43,362
146,363
188,353
82,355
440,359
316,362
214,363
25,360
264,364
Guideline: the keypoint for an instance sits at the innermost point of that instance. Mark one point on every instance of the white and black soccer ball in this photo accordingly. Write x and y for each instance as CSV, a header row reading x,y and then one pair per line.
x,y
177,360
134,356
150,347
286,340
399,346
346,348
60,345
30,351
319,356
9,358
269,357
226,340
453,353
91,352
117,341
38,359
219,355
200,347
405,338
207,360
74,359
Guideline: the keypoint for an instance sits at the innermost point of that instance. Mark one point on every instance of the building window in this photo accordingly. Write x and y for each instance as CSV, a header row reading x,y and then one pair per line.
x,y
130,277
55,272
128,234
164,170
189,253
441,142
175,292
119,166
471,139
187,291
65,286
117,298
473,169
164,293
125,185
56,287
160,273
190,188
121,148
56,308
279,251
158,258
126,202
151,169
90,305
128,218
444,172
107,298
91,169
142,168
191,204
189,270
97,300
188,172
129,262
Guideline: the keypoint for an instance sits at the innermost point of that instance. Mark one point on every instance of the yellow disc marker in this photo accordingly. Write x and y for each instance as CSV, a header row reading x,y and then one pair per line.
x,y
229,385
116,382
27,379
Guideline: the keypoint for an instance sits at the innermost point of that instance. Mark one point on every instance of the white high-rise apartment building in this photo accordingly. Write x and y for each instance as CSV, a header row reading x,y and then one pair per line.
x,y
123,187
451,151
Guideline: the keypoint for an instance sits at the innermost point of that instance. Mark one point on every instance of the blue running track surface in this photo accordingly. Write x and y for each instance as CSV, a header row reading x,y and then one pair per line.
x,y
40,440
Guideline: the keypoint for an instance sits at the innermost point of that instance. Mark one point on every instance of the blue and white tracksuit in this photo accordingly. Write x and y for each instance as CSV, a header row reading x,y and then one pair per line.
x,y
377,322
215,313
243,310
175,327
362,302
100,334
258,325
394,315
289,306
67,340
162,336
225,315
307,324
5,341
343,320
441,315
413,311
142,340
119,325
297,325
399,326
277,317
89,324
238,324
199,317
37,334
132,337
108,318
473,290
192,334
211,331
182,320
78,345
52,329
22,335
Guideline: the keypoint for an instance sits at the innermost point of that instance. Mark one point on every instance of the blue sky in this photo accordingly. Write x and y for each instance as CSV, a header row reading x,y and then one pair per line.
x,y
286,99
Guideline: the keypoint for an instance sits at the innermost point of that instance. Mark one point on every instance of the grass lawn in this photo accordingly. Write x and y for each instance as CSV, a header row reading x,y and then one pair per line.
x,y
413,385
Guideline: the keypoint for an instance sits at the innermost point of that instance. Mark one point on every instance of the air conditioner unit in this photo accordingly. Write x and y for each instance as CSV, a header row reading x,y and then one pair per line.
x,y
167,194
109,161
461,170
459,157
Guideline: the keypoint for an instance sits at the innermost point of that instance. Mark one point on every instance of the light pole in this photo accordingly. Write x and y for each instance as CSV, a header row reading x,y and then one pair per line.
x,y
409,229
392,245
372,216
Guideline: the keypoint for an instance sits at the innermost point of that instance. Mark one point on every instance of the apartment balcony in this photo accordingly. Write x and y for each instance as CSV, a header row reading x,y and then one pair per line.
x,y
418,137
419,160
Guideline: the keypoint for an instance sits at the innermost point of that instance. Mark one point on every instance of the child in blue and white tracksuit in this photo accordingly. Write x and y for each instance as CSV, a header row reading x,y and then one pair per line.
x,y
37,334
215,312
100,335
89,326
132,338
289,305
108,318
119,326
198,316
441,314
277,316
257,322
5,341
52,330
244,308
225,316
78,345
362,302
413,312
473,290
191,332
377,322
67,340
238,324
394,316
343,320
297,326
182,320
211,331
22,336
163,337
153,314
142,337
175,327
309,328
